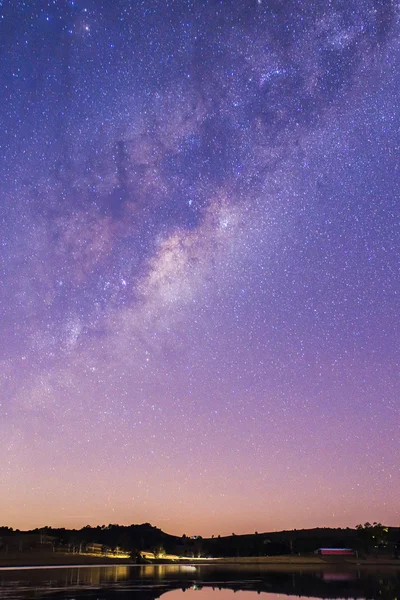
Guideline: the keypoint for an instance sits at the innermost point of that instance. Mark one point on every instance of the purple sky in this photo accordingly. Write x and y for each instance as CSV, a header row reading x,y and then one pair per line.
x,y
199,264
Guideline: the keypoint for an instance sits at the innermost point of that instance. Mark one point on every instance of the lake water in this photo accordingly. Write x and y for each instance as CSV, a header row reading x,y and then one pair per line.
x,y
200,582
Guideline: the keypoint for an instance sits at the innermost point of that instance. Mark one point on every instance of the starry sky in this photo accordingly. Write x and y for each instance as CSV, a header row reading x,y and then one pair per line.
x,y
199,284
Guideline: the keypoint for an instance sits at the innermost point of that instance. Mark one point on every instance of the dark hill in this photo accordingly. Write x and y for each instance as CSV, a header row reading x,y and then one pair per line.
x,y
147,537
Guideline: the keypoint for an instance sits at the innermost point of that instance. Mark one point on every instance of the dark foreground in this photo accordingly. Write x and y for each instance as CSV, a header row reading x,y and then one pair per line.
x,y
213,582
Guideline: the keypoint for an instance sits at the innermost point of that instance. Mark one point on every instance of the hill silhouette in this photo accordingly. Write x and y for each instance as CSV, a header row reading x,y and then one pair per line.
x,y
139,537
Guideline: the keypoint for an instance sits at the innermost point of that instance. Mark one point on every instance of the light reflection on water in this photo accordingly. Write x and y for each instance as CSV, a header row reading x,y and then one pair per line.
x,y
200,582
216,594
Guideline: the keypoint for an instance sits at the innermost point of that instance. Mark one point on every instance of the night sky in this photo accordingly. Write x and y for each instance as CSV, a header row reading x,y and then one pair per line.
x,y
199,284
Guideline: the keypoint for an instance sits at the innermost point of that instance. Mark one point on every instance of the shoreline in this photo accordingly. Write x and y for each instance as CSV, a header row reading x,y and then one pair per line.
x,y
61,560
273,562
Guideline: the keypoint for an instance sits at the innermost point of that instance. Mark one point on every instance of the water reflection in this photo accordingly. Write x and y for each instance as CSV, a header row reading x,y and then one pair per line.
x,y
94,575
164,571
200,582
209,593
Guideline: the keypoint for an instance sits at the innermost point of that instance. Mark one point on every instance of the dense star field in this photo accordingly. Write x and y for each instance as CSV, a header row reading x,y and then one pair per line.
x,y
199,263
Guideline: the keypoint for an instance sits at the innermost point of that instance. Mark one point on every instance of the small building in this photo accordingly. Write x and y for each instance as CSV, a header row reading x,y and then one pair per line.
x,y
94,548
335,552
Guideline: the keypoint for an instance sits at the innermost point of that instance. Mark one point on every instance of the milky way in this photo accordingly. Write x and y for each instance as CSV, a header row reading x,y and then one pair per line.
x,y
199,263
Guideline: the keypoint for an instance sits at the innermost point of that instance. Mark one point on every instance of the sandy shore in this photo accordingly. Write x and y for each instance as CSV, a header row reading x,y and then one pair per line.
x,y
58,559
273,562
312,562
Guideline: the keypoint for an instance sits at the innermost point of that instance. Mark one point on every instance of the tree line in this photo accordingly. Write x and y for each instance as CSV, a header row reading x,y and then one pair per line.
x,y
365,539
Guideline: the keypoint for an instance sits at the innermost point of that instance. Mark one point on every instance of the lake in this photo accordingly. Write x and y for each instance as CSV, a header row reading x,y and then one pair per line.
x,y
200,582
